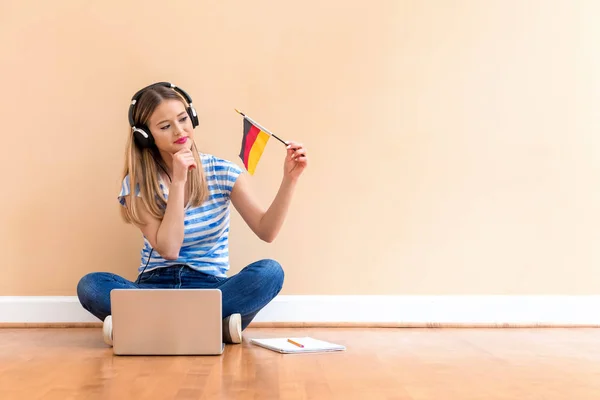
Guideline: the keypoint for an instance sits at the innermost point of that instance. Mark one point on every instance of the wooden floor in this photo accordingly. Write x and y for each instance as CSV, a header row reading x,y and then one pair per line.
x,y
385,363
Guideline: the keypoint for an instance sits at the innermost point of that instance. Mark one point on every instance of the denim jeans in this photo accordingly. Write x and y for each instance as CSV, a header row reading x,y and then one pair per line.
x,y
246,292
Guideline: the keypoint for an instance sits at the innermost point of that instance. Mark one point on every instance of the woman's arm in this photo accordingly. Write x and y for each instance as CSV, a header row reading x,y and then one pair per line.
x,y
166,236
266,224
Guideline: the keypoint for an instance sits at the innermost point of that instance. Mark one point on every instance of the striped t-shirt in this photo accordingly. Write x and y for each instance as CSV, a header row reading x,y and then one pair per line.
x,y
206,228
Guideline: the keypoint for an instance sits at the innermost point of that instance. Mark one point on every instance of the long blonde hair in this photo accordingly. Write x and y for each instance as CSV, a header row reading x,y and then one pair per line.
x,y
143,164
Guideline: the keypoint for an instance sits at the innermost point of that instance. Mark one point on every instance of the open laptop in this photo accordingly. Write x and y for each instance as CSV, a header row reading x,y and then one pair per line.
x,y
167,321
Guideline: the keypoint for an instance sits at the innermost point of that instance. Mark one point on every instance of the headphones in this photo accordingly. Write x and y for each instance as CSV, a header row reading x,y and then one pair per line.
x,y
141,133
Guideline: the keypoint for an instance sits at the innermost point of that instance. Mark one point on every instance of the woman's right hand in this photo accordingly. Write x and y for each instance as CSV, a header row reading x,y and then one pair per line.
x,y
183,161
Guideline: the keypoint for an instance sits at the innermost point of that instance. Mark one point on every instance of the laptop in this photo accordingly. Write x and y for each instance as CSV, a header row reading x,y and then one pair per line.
x,y
167,321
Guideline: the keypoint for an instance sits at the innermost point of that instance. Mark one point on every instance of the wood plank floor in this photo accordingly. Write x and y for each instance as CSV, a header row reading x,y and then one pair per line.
x,y
384,363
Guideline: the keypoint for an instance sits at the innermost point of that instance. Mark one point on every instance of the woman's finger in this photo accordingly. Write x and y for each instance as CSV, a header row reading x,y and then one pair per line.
x,y
298,153
294,145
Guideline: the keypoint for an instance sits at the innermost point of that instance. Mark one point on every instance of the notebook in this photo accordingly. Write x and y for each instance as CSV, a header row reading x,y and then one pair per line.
x,y
282,345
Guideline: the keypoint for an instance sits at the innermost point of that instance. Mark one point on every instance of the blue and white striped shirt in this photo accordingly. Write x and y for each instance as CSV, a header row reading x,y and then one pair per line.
x,y
206,228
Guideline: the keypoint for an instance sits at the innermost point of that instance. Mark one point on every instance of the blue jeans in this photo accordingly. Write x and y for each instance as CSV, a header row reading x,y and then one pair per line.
x,y
246,292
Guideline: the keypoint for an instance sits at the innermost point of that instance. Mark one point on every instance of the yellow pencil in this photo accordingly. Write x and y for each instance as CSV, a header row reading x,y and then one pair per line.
x,y
295,343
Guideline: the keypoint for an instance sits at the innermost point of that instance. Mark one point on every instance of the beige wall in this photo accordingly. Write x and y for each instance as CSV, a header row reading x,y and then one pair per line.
x,y
454,145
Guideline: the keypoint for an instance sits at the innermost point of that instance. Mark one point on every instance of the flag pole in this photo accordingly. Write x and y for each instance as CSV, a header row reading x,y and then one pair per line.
x,y
255,123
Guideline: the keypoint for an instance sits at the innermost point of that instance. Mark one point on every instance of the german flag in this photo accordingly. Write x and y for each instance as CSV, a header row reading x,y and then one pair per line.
x,y
253,144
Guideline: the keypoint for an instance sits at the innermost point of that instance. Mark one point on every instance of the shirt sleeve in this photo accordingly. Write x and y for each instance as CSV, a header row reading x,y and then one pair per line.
x,y
226,173
126,190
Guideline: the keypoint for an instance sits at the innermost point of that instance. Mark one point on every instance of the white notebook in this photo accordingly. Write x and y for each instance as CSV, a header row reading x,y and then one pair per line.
x,y
282,345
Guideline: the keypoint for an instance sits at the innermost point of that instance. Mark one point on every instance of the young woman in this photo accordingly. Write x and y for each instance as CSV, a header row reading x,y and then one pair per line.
x,y
181,206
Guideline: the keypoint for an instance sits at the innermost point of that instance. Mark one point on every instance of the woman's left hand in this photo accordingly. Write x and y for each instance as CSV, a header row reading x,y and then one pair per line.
x,y
295,160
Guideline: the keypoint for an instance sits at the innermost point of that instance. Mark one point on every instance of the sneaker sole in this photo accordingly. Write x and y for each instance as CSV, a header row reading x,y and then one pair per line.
x,y
107,331
235,328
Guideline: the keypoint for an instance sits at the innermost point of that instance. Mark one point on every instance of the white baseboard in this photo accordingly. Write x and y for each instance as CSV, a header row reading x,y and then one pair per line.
x,y
364,310
431,310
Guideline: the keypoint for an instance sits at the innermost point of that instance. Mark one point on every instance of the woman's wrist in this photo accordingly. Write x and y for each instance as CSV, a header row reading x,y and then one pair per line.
x,y
177,185
289,181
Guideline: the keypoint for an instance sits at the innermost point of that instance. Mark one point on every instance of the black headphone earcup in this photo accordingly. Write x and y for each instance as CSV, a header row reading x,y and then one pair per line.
x,y
193,118
143,137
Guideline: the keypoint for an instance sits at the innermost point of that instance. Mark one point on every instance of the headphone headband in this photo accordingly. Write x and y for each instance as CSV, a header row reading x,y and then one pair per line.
x,y
139,93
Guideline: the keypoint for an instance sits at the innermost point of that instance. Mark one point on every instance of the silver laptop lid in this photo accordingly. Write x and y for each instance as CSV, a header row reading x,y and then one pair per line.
x,y
167,321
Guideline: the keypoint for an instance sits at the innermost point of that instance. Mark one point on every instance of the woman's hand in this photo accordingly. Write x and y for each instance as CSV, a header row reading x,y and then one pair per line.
x,y
295,161
183,161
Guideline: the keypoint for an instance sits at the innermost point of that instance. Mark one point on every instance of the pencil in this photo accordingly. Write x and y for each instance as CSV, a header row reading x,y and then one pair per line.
x,y
295,343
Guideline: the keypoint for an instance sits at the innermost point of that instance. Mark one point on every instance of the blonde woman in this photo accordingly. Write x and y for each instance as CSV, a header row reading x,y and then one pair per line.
x,y
181,206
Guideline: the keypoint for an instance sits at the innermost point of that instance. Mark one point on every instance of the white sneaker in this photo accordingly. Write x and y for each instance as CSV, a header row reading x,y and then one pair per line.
x,y
232,329
107,331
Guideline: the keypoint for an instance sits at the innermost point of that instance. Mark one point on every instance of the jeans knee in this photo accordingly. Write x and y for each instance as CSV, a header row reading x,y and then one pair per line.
x,y
86,287
83,287
273,272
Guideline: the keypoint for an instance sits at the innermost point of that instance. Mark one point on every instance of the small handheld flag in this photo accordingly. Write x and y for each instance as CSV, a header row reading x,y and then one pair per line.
x,y
254,142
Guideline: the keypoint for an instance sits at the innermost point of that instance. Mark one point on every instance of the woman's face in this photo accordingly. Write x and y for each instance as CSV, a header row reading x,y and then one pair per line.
x,y
171,126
